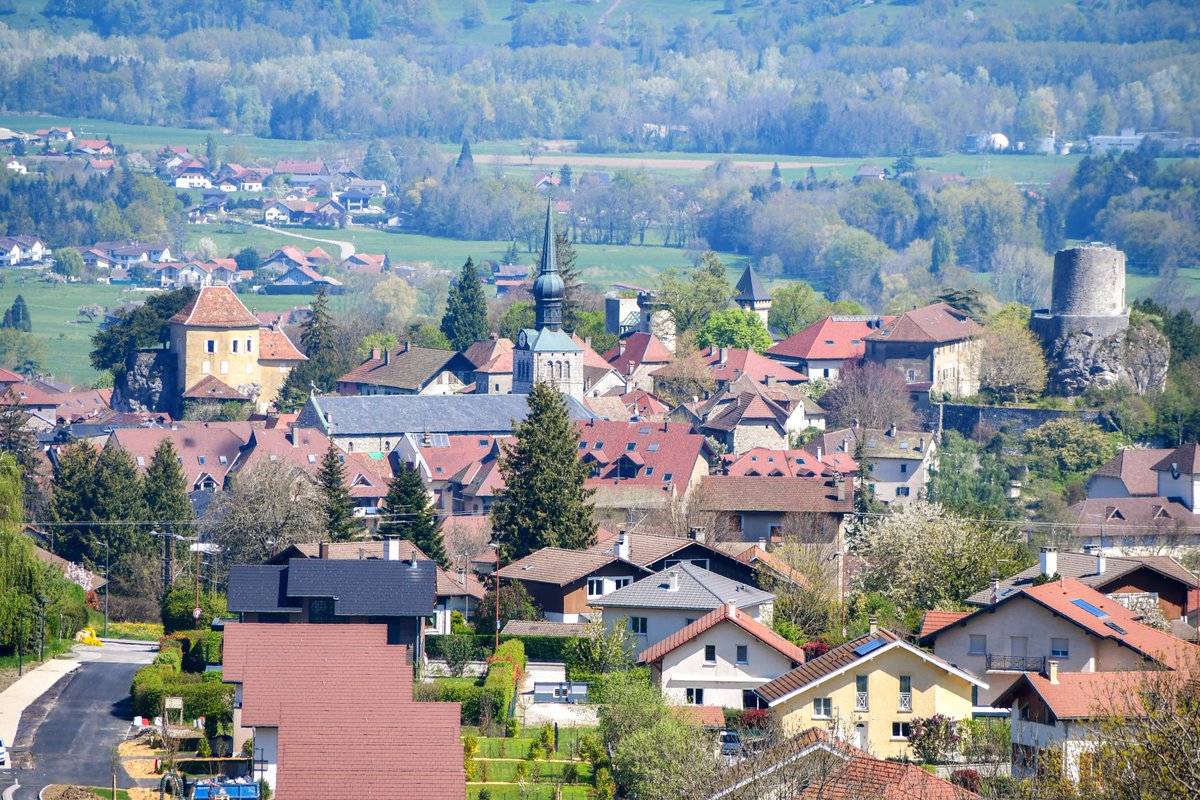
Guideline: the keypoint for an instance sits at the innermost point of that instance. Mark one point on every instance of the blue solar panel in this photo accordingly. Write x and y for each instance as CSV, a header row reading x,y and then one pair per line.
x,y
870,647
1091,609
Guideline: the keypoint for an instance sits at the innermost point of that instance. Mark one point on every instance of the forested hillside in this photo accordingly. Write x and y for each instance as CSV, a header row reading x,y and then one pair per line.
x,y
769,76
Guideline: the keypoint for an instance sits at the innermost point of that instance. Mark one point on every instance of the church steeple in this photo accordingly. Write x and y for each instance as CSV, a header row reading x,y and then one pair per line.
x,y
549,288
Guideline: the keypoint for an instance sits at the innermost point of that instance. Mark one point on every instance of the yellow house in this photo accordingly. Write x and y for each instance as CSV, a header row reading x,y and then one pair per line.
x,y
222,352
868,691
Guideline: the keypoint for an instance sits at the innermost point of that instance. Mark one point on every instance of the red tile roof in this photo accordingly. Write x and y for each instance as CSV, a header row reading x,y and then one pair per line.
x,y
8,376
274,345
590,357
701,716
343,692
729,493
936,620
26,394
729,363
830,339
762,461
655,454
365,477
1135,469
211,387
1082,695
713,618
640,348
643,404
215,307
203,448
459,453
936,324
491,355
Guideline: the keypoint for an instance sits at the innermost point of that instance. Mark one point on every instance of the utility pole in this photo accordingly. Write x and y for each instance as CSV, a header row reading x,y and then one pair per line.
x,y
107,582
42,650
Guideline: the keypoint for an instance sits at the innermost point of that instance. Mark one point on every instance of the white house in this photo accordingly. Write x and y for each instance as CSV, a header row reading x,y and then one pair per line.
x,y
665,603
901,461
14,165
719,660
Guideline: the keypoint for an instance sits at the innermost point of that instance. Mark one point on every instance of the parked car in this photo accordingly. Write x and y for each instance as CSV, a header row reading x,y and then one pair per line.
x,y
731,743
3,754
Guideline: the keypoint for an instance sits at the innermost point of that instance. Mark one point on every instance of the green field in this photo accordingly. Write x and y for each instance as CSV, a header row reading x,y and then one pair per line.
x,y
66,335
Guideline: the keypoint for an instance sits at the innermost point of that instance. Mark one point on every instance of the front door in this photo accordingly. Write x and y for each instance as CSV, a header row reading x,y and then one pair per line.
x,y
1019,646
860,736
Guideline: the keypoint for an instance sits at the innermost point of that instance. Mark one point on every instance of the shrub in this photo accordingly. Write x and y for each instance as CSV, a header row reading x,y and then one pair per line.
x,y
510,727
814,649
754,719
546,738
470,748
598,685
967,779
537,648
484,794
178,604
522,771
512,651
570,772
933,737
536,752
458,651
171,656
427,693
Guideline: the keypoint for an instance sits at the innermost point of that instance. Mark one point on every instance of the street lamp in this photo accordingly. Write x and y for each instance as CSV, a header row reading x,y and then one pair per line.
x,y
496,546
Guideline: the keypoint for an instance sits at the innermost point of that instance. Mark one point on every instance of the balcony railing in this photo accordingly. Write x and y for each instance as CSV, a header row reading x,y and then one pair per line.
x,y
906,701
860,701
1015,663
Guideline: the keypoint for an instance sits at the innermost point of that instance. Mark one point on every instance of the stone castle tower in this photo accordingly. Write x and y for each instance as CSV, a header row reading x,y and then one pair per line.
x,y
546,353
753,296
1086,331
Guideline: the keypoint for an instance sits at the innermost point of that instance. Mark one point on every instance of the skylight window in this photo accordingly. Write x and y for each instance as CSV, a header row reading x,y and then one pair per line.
x,y
667,477
583,445
630,446
1088,607
652,447
200,460
1116,628
643,430
649,471
598,446
312,459
141,461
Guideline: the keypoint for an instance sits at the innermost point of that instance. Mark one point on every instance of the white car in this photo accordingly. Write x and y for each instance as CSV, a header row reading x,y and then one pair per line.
x,y
3,754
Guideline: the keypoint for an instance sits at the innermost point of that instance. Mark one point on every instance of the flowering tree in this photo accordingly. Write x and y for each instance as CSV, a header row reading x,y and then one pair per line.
x,y
932,738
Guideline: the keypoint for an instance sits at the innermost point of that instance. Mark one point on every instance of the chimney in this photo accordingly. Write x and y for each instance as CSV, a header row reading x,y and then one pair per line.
x,y
874,623
1049,559
1101,562
391,549
892,430
762,544
412,564
295,436
620,347
770,380
995,589
375,354
629,367
587,340
621,548
407,346
673,581
722,354
323,550
841,488
731,608
1052,671
387,357
696,534
818,452
854,424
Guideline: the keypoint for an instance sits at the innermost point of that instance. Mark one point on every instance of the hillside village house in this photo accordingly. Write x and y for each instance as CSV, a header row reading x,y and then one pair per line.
x,y
825,348
901,461
636,357
493,362
408,369
1144,520
869,690
1062,621
21,250
719,660
935,348
665,603
215,338
811,509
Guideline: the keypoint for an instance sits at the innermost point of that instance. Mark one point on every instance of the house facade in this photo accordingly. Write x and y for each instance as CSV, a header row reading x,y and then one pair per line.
x,y
902,462
935,348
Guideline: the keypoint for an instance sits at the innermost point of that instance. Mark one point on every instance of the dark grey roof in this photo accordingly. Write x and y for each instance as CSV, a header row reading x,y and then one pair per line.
x,y
393,415
698,589
1083,568
750,288
370,587
255,588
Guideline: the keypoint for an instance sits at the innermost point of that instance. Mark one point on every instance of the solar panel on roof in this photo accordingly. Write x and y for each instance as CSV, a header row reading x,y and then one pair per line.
x,y
1116,628
870,647
1088,607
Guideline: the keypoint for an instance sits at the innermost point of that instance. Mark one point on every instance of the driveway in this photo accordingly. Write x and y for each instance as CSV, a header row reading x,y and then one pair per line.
x,y
66,736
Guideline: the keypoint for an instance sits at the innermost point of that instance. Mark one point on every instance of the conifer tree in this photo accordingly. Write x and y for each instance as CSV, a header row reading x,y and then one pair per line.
x,y
943,250
166,486
20,315
544,502
465,320
410,514
17,439
71,502
325,364
466,162
339,505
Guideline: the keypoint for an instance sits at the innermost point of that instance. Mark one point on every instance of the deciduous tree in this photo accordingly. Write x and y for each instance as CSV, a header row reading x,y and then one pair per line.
x,y
1012,363
733,327
871,393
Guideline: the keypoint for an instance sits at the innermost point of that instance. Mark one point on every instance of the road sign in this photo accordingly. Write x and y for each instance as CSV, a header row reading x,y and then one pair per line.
x,y
196,612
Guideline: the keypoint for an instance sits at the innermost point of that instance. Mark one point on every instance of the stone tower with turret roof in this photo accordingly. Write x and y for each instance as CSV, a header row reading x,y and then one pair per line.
x,y
752,295
546,353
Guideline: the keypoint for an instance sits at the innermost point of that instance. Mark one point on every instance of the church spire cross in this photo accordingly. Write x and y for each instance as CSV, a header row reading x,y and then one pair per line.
x,y
548,289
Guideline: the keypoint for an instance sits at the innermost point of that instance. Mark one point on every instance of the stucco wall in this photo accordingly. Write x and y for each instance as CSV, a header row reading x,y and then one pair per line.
x,y
661,623
723,680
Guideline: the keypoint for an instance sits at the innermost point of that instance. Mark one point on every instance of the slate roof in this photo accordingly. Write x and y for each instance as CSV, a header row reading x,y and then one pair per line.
x,y
878,443
1082,567
698,589
407,368
939,323
766,494
842,656
259,588
750,288
1135,468
710,620
830,339
215,307
384,415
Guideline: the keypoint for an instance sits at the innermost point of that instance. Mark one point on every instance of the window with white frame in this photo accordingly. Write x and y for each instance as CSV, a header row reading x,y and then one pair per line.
x,y
861,692
905,693
901,730
595,587
977,644
621,583
1060,648
823,708
695,697
637,625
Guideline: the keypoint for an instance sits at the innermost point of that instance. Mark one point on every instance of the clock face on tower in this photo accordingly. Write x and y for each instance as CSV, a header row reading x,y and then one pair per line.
x,y
522,340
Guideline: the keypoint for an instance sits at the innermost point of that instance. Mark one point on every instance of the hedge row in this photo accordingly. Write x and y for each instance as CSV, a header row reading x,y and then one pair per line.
x,y
198,648
537,648
504,670
203,694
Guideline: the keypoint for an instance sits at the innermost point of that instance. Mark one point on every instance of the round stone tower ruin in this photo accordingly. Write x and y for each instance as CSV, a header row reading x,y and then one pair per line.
x,y
1086,332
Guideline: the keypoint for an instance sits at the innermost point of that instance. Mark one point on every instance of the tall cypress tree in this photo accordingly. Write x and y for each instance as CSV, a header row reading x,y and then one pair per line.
x,y
72,500
118,495
339,506
410,514
325,364
166,486
20,315
544,502
465,320
466,162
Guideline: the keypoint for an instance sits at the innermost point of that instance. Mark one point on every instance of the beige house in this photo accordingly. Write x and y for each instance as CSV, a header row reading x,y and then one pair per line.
x,y
217,340
869,690
935,348
901,461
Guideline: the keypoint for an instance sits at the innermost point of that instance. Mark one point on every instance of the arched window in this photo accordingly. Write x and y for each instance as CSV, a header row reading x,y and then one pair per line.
x,y
568,370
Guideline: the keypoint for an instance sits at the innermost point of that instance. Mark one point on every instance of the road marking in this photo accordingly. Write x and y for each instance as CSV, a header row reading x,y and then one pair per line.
x,y
12,790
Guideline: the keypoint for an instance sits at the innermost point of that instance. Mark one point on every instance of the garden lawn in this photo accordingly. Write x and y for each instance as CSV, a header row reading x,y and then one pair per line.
x,y
511,791
506,771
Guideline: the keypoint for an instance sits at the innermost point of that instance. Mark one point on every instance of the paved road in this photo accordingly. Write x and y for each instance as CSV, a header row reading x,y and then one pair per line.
x,y
66,736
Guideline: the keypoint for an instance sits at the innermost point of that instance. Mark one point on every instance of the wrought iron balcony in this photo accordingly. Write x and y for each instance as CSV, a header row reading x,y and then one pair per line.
x,y
1015,663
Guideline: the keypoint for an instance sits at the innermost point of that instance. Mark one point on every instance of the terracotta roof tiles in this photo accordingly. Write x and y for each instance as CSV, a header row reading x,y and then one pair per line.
x,y
729,493
215,307
274,345
830,339
640,348
938,323
936,620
